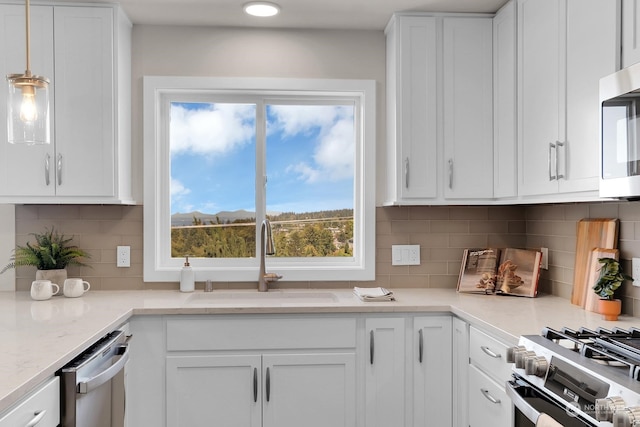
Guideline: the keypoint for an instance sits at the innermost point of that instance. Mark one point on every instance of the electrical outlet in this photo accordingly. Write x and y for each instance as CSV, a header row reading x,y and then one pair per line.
x,y
545,258
635,271
123,256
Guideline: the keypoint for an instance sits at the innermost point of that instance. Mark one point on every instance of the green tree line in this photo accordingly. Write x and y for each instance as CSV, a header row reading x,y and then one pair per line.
x,y
323,234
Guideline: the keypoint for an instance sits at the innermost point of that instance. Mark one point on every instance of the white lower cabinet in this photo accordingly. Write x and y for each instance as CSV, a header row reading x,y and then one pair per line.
x,y
460,374
261,390
488,371
432,371
489,405
384,358
41,407
359,370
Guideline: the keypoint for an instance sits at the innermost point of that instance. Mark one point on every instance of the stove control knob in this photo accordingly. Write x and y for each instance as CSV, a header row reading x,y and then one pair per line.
x,y
605,408
521,356
536,365
512,351
626,417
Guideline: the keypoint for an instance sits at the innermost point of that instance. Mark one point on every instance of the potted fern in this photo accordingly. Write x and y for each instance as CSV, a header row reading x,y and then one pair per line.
x,y
610,278
50,254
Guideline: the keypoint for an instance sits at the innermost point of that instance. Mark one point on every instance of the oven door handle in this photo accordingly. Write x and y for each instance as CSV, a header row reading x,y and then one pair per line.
x,y
96,381
527,410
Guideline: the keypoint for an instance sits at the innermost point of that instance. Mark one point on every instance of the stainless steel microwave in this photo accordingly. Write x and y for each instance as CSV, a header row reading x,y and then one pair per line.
x,y
620,134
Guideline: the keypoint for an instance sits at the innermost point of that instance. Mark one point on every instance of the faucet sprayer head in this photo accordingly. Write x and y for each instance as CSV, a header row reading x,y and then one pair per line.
x,y
269,245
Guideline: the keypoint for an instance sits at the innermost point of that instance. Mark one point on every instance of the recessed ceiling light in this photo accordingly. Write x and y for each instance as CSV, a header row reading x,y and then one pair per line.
x,y
261,8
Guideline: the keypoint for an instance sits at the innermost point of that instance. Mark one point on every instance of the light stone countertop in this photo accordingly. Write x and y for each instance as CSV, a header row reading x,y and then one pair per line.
x,y
39,337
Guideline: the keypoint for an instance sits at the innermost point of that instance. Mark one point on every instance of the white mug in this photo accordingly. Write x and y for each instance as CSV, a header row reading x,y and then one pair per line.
x,y
75,287
43,289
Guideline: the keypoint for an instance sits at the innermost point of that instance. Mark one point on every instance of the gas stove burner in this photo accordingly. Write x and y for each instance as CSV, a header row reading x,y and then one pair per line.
x,y
617,348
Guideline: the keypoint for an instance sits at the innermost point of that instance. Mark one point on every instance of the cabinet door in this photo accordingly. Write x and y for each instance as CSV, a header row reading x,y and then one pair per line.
x,y
592,52
84,79
23,168
468,108
630,32
314,390
489,405
539,94
214,390
505,173
432,375
460,375
411,109
384,372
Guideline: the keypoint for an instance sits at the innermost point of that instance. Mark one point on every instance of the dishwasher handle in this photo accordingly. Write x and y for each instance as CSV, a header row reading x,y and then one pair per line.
x,y
96,381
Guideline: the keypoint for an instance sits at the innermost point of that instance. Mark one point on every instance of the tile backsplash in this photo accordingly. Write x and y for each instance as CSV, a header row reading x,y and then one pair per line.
x,y
441,231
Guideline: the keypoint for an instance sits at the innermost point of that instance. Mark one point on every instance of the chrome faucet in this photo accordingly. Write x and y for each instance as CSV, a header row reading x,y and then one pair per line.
x,y
267,247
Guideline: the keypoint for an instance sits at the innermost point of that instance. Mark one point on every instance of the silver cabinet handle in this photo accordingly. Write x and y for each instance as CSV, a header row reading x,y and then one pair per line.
x,y
255,384
558,145
38,416
420,345
268,384
552,149
450,173
490,352
490,398
371,347
406,172
47,168
59,169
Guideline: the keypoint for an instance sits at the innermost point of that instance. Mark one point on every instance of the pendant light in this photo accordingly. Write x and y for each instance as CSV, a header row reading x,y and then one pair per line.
x,y
28,102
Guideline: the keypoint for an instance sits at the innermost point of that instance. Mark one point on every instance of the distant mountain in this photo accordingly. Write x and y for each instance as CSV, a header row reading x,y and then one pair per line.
x,y
182,219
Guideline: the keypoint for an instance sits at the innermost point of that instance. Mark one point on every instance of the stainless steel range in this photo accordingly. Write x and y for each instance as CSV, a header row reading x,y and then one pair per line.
x,y
577,378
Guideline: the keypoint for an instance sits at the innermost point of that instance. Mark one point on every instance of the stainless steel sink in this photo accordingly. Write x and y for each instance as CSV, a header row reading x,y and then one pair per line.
x,y
279,297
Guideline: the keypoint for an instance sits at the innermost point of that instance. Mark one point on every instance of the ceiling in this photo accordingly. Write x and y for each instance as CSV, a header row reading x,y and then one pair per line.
x,y
312,14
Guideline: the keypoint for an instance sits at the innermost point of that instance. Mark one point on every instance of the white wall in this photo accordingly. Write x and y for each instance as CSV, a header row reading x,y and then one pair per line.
x,y
241,52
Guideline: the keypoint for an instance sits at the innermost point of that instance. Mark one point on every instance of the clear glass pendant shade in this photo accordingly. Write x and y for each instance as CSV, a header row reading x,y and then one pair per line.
x,y
28,113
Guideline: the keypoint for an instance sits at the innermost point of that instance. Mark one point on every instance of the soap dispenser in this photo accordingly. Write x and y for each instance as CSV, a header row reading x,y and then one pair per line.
x,y
187,283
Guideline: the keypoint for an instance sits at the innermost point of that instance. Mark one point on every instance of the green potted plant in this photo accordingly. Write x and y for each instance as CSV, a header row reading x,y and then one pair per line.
x,y
50,254
610,278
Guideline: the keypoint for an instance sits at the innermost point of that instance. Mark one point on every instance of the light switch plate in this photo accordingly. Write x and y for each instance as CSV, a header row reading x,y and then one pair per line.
x,y
405,254
545,258
635,271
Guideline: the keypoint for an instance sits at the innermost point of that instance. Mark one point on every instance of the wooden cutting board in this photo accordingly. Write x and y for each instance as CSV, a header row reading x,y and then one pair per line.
x,y
591,233
591,303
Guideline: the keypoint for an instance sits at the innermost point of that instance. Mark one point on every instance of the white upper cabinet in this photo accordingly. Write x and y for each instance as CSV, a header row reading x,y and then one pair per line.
x,y
564,48
411,109
439,109
86,53
505,172
630,32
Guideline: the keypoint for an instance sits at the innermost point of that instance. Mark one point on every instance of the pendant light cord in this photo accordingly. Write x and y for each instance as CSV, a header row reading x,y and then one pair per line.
x,y
28,27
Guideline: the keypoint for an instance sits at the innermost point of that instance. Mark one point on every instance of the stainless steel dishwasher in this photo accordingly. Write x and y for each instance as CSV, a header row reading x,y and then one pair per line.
x,y
93,384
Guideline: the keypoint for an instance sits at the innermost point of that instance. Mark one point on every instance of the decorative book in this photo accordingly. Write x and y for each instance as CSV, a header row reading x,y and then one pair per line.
x,y
506,271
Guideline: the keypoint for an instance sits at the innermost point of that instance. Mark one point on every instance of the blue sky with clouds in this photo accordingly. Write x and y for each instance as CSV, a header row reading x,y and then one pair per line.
x,y
310,157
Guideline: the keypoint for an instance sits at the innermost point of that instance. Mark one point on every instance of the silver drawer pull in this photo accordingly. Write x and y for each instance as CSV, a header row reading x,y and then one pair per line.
x,y
39,415
490,398
490,352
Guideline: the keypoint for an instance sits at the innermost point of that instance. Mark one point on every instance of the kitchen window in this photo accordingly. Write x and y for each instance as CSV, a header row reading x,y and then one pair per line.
x,y
222,154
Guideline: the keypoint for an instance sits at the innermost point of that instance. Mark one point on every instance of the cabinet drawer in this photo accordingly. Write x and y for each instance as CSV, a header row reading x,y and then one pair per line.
x,y
489,404
264,333
489,354
45,399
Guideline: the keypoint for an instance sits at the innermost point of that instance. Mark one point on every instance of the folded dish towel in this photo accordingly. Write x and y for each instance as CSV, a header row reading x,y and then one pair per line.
x,y
374,294
545,420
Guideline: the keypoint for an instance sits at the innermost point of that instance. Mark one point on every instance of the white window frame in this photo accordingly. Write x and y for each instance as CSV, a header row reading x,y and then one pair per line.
x,y
158,264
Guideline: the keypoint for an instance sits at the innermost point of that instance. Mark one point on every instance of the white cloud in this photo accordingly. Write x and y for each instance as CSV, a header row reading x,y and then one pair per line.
x,y
217,129
334,153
